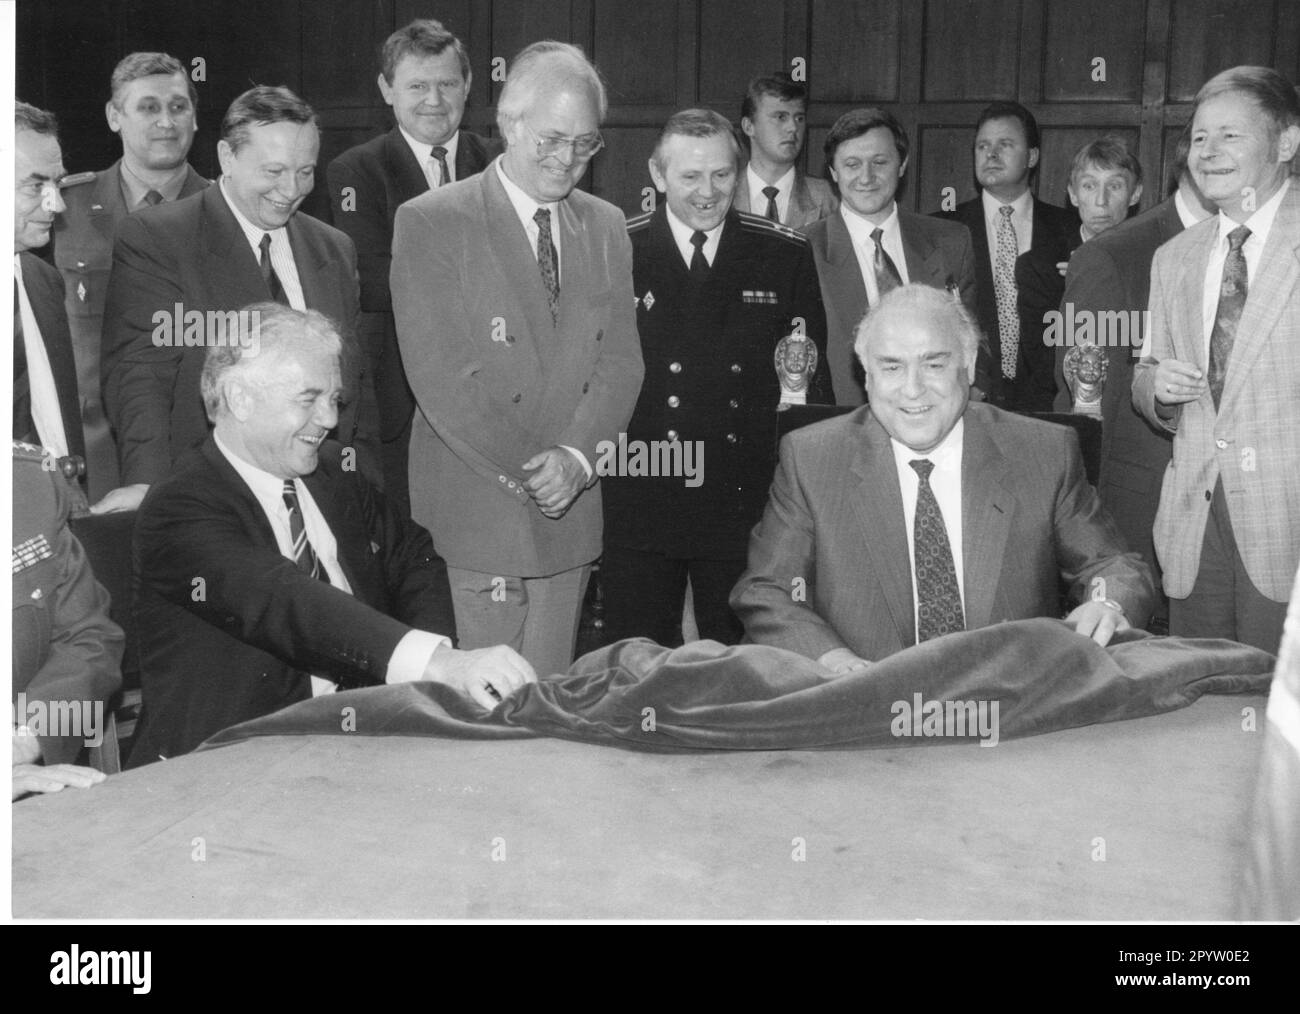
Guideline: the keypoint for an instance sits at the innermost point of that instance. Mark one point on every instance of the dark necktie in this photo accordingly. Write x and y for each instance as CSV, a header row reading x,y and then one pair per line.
x,y
269,276
439,155
699,263
1004,291
24,426
772,213
939,609
887,276
1232,299
548,262
303,555
152,198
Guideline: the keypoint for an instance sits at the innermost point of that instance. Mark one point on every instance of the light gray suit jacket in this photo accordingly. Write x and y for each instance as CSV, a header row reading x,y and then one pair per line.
x,y
938,254
810,200
496,382
829,564
1252,443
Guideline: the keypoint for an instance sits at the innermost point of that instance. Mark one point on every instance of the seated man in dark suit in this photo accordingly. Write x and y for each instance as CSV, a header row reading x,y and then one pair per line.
x,y
269,572
922,514
1105,183
426,79
1005,221
67,653
179,266
872,245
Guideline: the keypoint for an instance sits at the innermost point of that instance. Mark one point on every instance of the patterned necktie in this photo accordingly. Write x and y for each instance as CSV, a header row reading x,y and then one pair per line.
x,y
24,426
772,213
699,263
438,156
887,276
269,276
939,609
303,555
152,198
1004,288
548,262
1232,299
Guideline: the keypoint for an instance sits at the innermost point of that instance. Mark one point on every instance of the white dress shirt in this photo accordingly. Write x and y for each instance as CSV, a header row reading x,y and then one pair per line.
x,y
424,154
413,651
945,483
682,234
1022,220
758,199
1259,224
281,252
860,230
46,414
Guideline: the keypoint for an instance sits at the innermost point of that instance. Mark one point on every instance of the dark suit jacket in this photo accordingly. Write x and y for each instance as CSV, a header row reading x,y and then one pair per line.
x,y
709,348
83,252
938,254
65,648
835,520
367,184
1113,273
810,199
242,644
192,252
45,292
1039,288
497,380
1049,221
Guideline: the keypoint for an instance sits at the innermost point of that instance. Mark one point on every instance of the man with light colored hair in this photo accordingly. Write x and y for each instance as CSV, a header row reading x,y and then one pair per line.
x,y
512,293
923,513
270,571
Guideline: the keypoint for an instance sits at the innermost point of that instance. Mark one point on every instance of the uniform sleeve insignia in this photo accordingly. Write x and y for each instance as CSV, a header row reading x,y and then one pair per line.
x,y
81,291
31,552
648,300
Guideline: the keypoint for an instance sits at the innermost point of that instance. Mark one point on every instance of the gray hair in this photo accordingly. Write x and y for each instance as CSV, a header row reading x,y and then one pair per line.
x,y
542,66
1270,90
277,331
137,65
695,123
941,307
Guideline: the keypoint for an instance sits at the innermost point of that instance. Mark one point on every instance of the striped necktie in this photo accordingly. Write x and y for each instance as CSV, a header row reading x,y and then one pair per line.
x,y
303,555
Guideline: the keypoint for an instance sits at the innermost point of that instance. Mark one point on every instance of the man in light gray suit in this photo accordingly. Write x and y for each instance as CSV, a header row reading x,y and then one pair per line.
x,y
512,294
1221,369
922,514
773,119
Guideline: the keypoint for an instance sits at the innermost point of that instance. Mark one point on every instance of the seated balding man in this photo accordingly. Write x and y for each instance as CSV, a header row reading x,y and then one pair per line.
x,y
270,571
922,514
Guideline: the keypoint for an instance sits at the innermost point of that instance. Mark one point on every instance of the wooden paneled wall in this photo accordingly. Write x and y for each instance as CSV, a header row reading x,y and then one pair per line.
x,y
1085,67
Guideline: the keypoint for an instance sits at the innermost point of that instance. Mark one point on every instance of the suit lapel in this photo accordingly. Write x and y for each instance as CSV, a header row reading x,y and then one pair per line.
x,y
1266,298
844,273
408,178
310,260
351,540
1189,336
801,203
878,502
230,264
47,308
516,259
924,259
740,202
260,525
987,506
107,206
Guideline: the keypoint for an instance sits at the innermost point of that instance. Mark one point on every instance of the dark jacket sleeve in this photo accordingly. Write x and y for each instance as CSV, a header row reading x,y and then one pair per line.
x,y
359,200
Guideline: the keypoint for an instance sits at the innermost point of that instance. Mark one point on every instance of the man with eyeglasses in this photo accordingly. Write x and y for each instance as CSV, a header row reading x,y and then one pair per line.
x,y
46,404
153,109
512,294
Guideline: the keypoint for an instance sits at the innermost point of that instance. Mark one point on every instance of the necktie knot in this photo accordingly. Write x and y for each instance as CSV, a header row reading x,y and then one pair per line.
x,y
771,193
1237,238
438,152
265,244
923,467
877,236
543,218
1006,211
698,239
153,197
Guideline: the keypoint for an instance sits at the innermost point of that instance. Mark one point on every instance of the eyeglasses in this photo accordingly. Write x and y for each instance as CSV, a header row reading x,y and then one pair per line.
x,y
583,147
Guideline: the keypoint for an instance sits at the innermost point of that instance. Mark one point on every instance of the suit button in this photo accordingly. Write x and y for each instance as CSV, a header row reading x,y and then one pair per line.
x,y
516,398
501,478
735,367
674,401
600,334
674,367
734,403
672,434
586,388
1209,495
1220,444
731,438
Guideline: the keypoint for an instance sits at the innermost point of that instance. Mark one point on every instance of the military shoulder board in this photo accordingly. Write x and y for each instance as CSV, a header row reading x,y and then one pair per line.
x,y
639,222
757,223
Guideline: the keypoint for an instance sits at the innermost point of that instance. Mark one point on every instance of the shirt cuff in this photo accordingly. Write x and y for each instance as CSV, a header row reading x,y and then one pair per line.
x,y
411,656
582,459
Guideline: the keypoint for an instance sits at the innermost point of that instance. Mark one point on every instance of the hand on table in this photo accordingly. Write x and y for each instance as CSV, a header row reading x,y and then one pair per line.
x,y
1098,621
480,673
39,778
841,661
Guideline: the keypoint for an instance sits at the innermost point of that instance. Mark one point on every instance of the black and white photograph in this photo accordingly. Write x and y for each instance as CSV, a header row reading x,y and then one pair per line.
x,y
548,461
